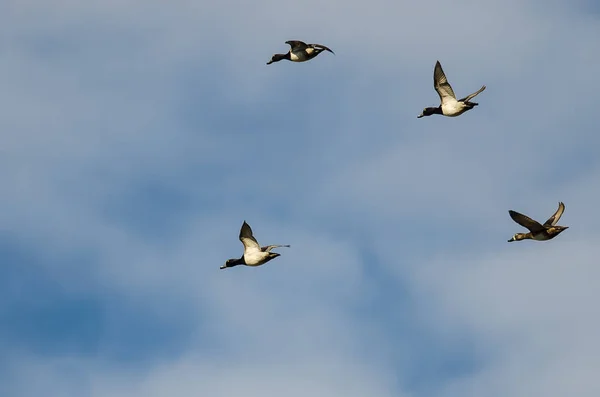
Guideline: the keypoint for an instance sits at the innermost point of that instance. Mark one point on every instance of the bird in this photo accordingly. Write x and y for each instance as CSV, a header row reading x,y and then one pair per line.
x,y
254,254
300,52
538,232
449,105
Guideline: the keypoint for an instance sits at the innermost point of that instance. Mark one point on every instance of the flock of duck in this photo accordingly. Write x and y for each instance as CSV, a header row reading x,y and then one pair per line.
x,y
255,255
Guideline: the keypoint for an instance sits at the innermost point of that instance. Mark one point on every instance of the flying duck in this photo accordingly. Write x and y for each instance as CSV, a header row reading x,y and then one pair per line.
x,y
300,52
450,106
538,232
254,254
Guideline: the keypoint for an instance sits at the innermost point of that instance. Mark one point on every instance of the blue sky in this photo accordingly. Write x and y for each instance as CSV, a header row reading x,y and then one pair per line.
x,y
138,136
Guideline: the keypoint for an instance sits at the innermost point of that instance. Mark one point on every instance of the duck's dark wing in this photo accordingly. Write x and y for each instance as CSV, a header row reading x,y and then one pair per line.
x,y
246,237
321,47
473,95
441,85
553,220
526,221
296,45
268,248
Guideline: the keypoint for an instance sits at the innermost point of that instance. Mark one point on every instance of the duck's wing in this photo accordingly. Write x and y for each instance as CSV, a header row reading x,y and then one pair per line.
x,y
322,47
246,237
473,95
268,248
296,45
526,221
553,220
441,85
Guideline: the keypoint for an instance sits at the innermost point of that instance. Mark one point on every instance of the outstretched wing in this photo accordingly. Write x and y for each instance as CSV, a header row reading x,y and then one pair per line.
x,y
526,221
296,45
268,248
322,47
441,85
246,237
553,220
473,95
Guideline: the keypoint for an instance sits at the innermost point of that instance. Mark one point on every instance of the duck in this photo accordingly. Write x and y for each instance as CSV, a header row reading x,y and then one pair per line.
x,y
254,254
300,52
538,232
449,106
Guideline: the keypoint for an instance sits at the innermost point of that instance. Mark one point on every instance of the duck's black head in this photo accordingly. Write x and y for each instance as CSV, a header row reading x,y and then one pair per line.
x,y
233,262
278,57
430,111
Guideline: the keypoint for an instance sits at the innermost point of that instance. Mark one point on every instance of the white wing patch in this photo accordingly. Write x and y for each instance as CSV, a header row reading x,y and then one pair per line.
x,y
250,245
556,217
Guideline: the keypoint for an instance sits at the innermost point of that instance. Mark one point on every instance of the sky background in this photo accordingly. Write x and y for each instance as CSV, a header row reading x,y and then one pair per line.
x,y
137,136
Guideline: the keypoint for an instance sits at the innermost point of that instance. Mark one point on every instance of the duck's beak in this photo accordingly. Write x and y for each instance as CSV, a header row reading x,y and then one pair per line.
x,y
419,116
270,62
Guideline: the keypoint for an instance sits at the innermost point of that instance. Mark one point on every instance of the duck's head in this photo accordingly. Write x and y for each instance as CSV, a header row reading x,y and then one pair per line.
x,y
427,112
230,263
277,58
517,237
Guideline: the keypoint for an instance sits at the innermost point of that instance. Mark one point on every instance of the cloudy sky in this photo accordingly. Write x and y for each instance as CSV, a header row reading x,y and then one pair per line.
x,y
137,136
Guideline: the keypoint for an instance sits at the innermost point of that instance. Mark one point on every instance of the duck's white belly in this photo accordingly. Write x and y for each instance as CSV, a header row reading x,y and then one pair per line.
x,y
299,57
453,108
255,258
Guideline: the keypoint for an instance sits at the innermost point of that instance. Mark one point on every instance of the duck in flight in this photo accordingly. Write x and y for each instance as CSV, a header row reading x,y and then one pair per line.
x,y
300,52
254,254
449,105
538,232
